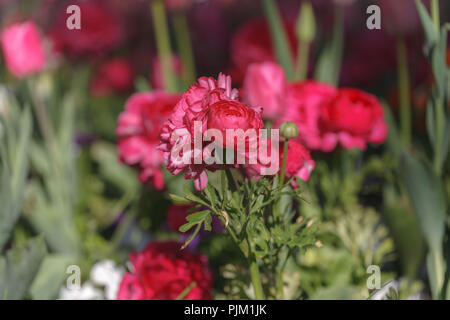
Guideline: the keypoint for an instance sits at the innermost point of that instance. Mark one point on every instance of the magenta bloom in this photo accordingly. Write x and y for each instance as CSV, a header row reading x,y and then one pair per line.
x,y
138,129
298,162
162,272
304,108
326,116
265,86
113,76
178,130
23,49
354,117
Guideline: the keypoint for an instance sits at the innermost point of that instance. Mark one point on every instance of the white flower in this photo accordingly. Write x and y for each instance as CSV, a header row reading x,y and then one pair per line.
x,y
86,292
105,273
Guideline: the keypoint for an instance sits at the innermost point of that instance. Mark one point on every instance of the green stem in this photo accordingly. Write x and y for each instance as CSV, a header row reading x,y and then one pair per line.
x,y
435,14
185,50
163,45
279,37
277,212
42,116
404,88
283,165
437,262
256,277
439,114
301,70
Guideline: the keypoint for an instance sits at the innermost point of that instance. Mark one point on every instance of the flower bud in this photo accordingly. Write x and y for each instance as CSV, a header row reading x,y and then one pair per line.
x,y
306,23
289,130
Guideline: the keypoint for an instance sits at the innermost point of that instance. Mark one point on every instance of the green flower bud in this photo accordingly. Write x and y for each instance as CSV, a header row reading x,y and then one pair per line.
x,y
306,23
289,130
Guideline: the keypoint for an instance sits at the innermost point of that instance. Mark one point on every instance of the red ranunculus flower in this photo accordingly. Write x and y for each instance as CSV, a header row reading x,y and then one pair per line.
x,y
101,31
23,49
138,129
355,118
265,86
298,162
162,272
113,76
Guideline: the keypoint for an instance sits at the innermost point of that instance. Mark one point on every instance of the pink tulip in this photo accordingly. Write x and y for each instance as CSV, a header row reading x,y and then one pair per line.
x,y
23,50
265,86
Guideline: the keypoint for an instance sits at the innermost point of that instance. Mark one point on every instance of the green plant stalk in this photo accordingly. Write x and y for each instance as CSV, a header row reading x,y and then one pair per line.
x,y
439,114
163,44
277,211
279,275
435,14
404,88
279,37
184,48
439,110
256,277
186,291
301,68
438,268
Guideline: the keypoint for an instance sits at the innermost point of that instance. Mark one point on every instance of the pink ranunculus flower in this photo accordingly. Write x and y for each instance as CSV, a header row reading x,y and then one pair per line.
x,y
23,49
265,85
305,102
178,130
162,271
355,118
138,129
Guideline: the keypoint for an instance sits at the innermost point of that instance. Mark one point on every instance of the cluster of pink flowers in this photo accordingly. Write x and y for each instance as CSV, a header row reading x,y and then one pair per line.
x,y
326,116
162,272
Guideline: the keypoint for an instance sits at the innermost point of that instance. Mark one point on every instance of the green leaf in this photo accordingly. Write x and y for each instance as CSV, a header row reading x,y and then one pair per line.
x,y
19,268
50,277
279,37
431,34
329,65
13,178
427,198
178,199
189,240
